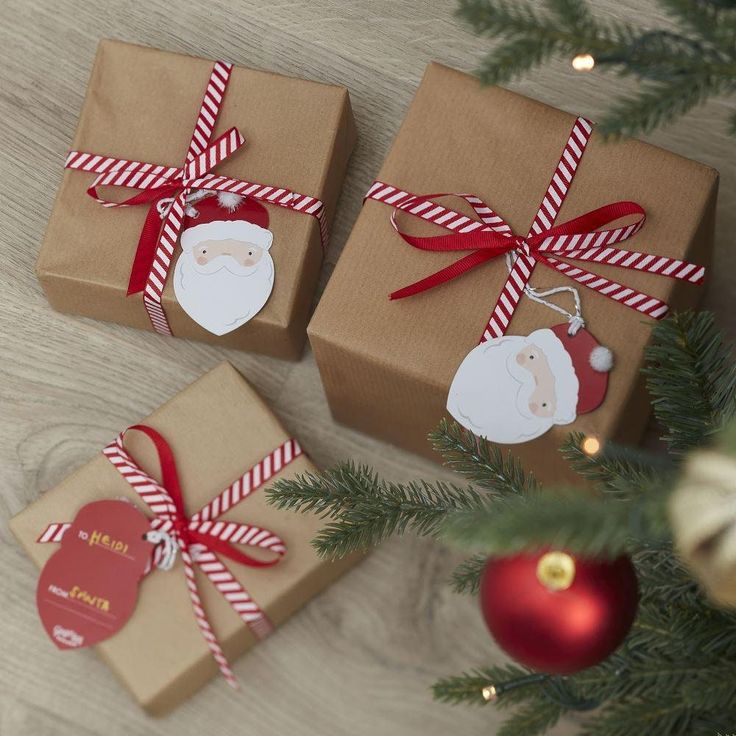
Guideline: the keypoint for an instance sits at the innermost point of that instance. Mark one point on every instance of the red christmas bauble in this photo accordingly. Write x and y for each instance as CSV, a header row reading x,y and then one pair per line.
x,y
556,612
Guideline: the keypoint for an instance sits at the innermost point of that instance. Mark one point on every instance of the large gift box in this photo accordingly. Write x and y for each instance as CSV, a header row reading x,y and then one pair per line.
x,y
185,143
226,446
457,267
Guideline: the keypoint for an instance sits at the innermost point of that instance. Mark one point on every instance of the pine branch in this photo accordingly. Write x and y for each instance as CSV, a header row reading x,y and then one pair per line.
x,y
532,719
657,104
620,471
513,58
667,715
691,377
565,519
467,687
466,576
482,464
663,577
703,19
366,510
688,67
627,676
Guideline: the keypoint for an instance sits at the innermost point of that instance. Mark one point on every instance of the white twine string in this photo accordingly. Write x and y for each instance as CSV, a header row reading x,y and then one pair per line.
x,y
164,205
167,558
576,321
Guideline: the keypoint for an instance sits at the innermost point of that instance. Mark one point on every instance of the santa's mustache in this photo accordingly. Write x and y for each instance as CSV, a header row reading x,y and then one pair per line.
x,y
223,262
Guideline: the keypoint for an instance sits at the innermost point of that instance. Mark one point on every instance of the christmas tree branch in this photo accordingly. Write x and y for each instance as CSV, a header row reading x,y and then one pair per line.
x,y
484,465
619,471
466,576
691,377
658,103
532,719
702,19
365,510
468,687
682,69
565,519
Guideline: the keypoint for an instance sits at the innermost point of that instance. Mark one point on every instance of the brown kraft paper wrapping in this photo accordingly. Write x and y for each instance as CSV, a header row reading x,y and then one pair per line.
x,y
387,366
217,428
141,104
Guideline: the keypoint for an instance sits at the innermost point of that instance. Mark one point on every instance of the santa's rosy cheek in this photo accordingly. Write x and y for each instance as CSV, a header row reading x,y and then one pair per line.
x,y
202,260
249,262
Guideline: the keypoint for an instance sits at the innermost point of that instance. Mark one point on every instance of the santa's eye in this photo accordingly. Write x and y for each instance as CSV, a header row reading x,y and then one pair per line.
x,y
204,250
544,405
250,252
531,356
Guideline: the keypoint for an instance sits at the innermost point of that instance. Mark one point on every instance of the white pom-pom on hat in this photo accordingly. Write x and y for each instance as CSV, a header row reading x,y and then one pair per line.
x,y
229,200
601,359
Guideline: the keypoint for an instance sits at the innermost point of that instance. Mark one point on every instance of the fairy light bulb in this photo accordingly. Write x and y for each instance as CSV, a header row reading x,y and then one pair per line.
x,y
489,693
583,63
591,445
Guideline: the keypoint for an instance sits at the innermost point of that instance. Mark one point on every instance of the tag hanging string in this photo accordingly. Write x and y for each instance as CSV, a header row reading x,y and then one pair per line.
x,y
576,321
589,237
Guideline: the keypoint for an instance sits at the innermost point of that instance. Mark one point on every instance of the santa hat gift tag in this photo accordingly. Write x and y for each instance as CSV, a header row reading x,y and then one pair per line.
x,y
512,389
224,274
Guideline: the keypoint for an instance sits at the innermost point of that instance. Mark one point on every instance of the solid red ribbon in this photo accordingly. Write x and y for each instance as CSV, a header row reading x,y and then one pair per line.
x,y
181,522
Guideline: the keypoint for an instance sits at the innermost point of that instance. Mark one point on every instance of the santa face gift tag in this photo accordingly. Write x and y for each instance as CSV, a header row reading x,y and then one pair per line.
x,y
513,389
89,587
224,274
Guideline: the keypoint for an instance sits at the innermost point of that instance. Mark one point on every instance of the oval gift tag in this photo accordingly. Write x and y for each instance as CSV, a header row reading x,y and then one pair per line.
x,y
88,588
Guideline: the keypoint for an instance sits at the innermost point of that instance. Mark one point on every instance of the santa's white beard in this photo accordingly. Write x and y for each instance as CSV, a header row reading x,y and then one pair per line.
x,y
222,295
490,394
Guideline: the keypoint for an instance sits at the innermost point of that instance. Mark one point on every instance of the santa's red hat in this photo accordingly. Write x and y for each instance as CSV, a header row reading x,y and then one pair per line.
x,y
580,366
227,216
591,362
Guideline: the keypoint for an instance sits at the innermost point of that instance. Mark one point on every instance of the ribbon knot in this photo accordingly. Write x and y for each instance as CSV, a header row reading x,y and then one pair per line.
x,y
522,247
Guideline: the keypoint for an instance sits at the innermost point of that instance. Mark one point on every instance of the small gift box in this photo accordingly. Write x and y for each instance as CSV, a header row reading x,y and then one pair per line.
x,y
193,475
197,199
519,300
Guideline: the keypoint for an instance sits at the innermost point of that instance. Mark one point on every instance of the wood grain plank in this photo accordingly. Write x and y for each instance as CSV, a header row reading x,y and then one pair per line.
x,y
360,658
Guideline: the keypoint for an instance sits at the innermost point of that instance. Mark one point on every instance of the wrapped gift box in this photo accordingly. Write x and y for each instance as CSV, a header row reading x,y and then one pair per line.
x,y
141,105
217,428
387,365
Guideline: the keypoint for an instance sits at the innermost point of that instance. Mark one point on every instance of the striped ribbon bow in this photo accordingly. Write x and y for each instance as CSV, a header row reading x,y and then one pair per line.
x,y
202,537
159,237
585,238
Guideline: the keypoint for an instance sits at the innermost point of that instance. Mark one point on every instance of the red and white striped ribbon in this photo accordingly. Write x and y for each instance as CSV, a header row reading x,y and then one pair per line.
x,y
202,156
593,247
206,523
523,263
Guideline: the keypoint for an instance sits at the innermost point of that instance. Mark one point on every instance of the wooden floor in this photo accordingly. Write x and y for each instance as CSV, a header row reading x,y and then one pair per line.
x,y
360,659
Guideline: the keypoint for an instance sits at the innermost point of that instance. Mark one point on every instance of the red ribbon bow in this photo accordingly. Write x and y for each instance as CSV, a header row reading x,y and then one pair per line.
x,y
487,243
579,239
202,537
159,236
